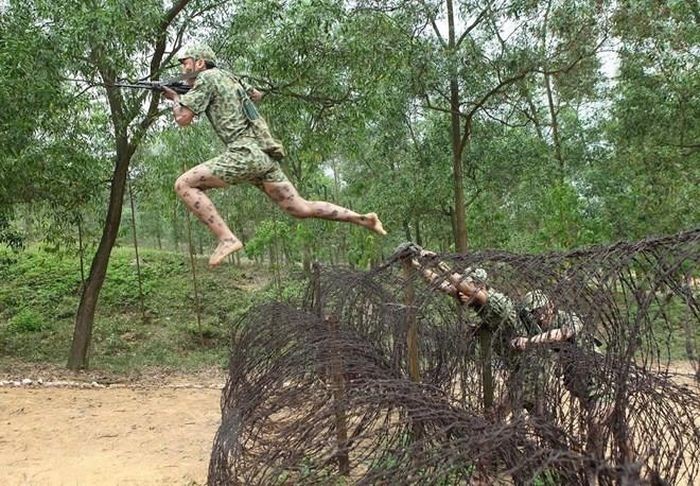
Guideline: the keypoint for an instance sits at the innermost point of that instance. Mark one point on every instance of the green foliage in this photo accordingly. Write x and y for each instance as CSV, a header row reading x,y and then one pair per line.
x,y
26,320
546,478
39,292
553,154
8,235
270,233
121,288
36,279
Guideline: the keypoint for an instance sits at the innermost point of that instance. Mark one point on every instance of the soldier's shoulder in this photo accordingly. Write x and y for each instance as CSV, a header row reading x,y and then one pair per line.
x,y
215,76
209,75
499,304
220,78
568,316
569,319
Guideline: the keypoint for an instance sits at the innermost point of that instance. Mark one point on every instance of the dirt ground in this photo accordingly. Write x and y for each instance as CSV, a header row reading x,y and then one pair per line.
x,y
77,430
142,433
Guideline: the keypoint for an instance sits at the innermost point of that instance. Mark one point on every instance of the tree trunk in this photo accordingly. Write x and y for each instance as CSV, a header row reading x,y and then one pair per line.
x,y
460,227
78,358
81,252
453,222
419,240
533,111
553,109
555,125
136,251
407,230
306,259
158,235
193,266
176,236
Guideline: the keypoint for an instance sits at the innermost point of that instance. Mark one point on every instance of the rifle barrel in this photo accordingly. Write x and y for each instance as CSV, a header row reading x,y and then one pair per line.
x,y
178,87
137,85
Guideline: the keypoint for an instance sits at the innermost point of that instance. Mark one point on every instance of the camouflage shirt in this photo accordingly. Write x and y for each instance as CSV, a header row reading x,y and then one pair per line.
x,y
567,321
220,95
500,314
501,317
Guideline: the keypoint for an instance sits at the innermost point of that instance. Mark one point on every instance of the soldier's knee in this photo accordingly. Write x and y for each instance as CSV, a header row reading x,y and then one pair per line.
x,y
301,210
181,184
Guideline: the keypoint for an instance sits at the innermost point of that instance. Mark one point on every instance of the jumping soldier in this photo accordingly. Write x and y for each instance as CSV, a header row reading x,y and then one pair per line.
x,y
250,154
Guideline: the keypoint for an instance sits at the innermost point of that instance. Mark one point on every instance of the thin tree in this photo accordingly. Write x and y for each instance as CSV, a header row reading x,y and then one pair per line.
x,y
127,137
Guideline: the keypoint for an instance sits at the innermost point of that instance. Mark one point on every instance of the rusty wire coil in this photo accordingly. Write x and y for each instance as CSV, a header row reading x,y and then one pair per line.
x,y
381,378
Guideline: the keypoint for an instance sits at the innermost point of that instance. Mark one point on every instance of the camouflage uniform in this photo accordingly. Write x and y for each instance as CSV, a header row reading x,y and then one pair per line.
x,y
501,317
578,374
223,98
526,374
572,354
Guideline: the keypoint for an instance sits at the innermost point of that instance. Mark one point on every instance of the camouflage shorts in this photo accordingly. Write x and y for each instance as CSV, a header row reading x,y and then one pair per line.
x,y
245,162
585,382
525,384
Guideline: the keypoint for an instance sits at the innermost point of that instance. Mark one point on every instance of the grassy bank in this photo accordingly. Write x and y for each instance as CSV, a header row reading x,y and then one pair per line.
x,y
40,291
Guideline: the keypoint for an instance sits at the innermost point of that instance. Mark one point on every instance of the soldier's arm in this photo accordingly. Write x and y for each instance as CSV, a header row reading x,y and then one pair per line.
x,y
471,293
433,278
252,93
195,101
455,284
183,115
552,336
557,335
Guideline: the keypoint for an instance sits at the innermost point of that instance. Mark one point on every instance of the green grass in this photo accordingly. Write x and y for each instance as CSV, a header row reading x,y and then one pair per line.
x,y
40,292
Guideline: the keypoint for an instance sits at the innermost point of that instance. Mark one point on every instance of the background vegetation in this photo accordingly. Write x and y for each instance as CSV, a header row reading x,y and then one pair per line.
x,y
525,125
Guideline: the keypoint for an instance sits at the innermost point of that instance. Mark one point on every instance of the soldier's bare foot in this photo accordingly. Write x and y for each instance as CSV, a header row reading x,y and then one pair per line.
x,y
224,249
373,223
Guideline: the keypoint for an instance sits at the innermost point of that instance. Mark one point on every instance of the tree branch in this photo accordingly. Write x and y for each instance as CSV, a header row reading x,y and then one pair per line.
x,y
430,106
431,18
471,27
157,64
172,13
504,122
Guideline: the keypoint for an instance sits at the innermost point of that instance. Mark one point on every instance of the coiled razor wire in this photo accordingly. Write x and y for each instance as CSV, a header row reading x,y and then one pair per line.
x,y
381,378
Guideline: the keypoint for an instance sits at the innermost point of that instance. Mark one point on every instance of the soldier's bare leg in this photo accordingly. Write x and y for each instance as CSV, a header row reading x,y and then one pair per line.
x,y
287,198
190,187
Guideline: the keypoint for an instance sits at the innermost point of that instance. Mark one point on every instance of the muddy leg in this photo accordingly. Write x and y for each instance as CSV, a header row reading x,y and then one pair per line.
x,y
190,187
287,198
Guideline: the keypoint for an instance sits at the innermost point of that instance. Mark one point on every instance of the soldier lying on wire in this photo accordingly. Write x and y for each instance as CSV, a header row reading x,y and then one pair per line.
x,y
251,152
532,323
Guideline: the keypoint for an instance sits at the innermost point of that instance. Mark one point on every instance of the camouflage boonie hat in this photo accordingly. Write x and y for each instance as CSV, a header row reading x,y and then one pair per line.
x,y
199,51
534,300
477,275
407,248
531,302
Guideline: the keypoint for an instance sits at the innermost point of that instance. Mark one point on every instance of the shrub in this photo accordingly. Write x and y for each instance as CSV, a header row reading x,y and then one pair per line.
x,y
26,320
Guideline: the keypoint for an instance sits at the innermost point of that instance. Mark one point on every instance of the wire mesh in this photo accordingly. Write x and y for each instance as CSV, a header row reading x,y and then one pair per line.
x,y
381,377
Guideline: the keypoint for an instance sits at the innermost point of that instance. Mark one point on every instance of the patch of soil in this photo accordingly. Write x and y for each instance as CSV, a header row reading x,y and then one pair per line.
x,y
156,430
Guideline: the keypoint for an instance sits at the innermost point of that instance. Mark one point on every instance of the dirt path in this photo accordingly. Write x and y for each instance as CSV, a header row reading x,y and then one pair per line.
x,y
106,436
155,429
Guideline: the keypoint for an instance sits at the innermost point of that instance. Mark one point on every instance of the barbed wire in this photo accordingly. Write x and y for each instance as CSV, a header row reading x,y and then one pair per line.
x,y
384,377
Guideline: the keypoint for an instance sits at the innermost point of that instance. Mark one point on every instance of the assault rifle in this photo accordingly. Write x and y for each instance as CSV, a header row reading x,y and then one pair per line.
x,y
178,86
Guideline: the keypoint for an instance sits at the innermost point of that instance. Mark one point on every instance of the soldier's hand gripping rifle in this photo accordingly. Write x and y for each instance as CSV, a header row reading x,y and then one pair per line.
x,y
179,87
